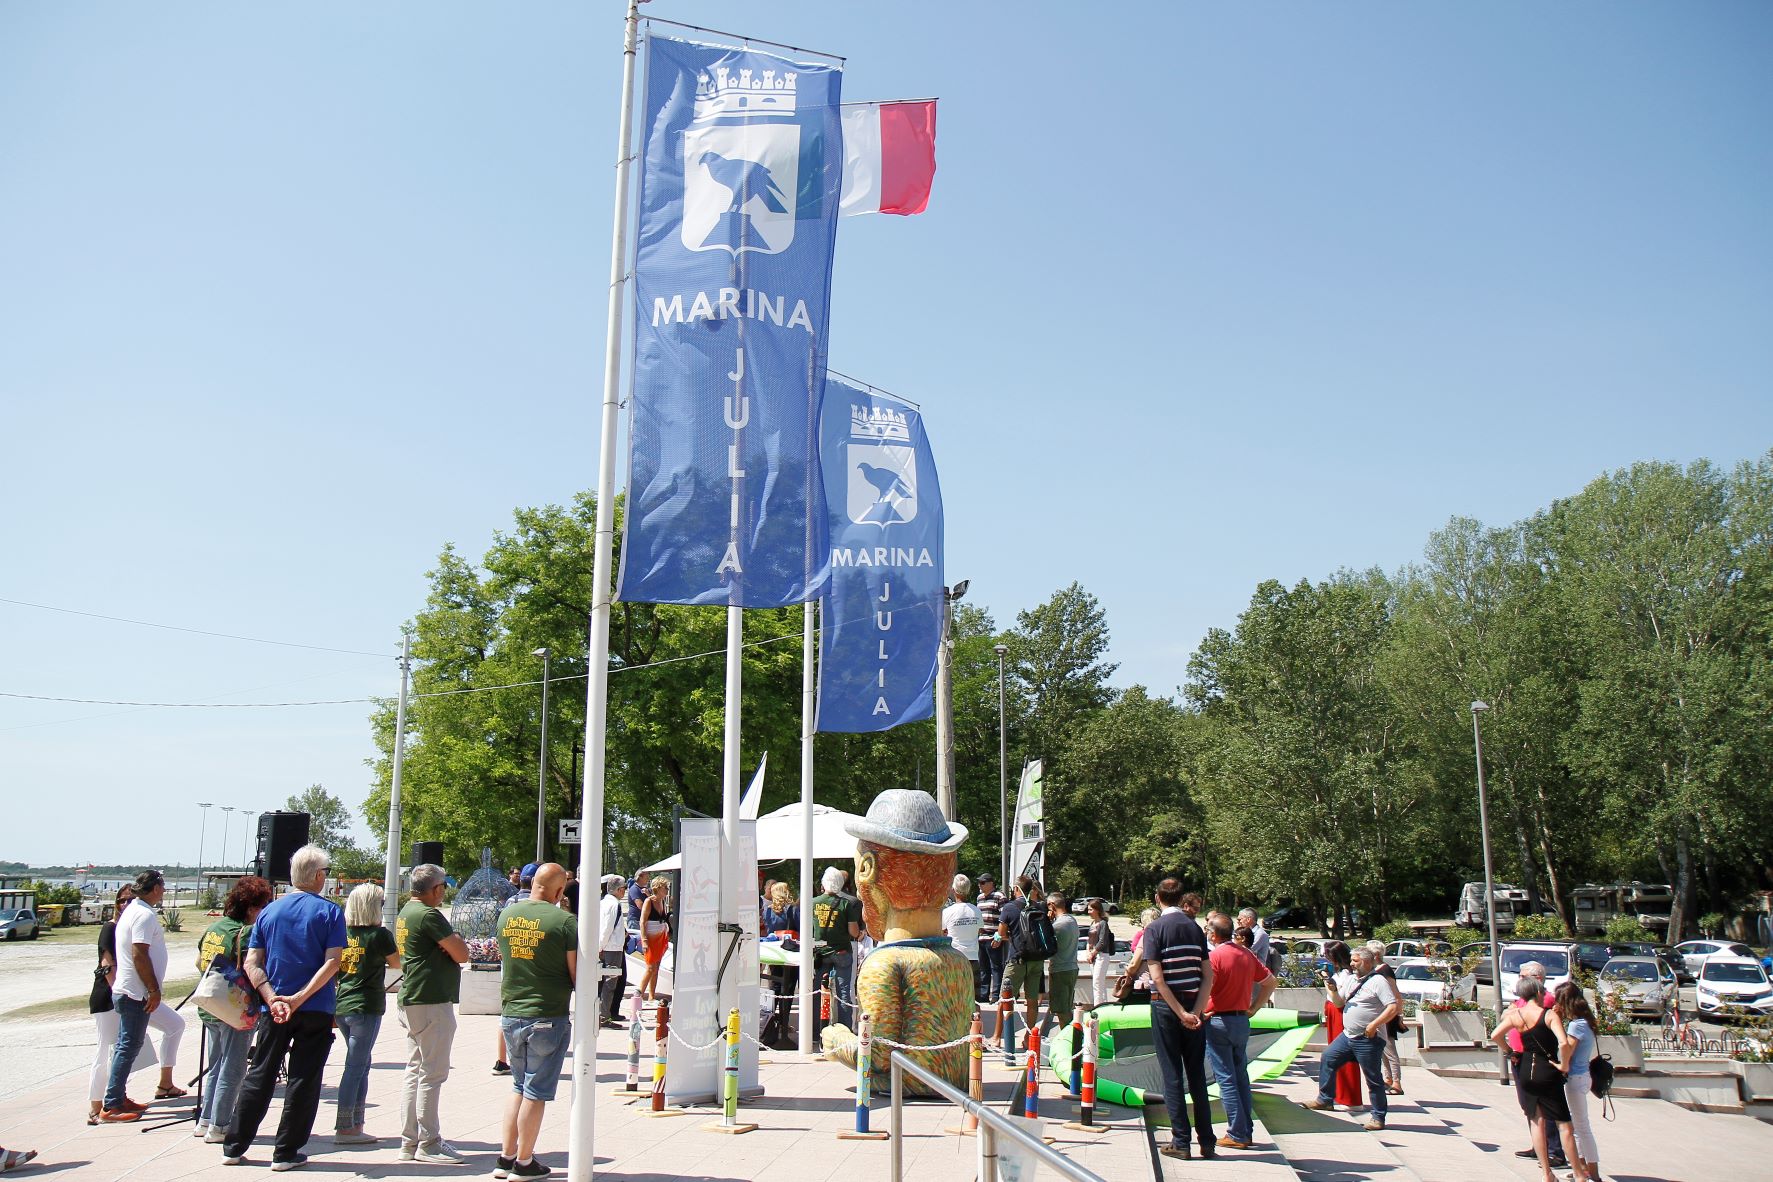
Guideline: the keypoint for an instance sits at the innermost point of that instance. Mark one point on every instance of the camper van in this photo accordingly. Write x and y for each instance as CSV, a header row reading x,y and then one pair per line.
x,y
1510,902
1648,903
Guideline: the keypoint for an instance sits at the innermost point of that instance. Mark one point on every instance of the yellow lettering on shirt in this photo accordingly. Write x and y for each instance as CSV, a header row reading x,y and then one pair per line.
x,y
352,957
206,951
522,936
400,935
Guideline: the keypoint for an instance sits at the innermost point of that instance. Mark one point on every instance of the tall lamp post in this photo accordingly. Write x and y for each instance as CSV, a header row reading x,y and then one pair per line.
x,y
1003,771
1477,745
945,705
542,769
226,809
202,828
246,858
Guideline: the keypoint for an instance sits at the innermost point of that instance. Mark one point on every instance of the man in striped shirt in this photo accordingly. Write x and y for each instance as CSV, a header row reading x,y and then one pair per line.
x,y
1182,976
991,945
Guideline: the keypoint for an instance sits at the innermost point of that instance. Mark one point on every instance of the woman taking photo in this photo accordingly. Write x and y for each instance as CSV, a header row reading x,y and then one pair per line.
x,y
224,1045
1541,1089
655,934
369,953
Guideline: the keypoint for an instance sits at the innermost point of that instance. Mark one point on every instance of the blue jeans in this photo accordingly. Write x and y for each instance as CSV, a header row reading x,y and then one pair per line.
x,y
1228,1049
360,1032
1369,1053
132,1028
226,1048
843,966
536,1050
1182,1062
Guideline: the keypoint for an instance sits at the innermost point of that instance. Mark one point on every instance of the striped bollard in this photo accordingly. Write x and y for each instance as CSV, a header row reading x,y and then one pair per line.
x,y
969,1124
864,1082
1077,1040
660,1046
634,1045
729,1112
1031,1108
1086,1117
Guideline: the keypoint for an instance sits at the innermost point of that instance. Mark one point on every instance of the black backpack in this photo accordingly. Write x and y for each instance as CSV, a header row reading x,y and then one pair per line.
x,y
1034,935
1600,1073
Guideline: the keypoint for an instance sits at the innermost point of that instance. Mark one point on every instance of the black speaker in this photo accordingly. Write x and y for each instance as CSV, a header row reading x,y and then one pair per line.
x,y
280,836
427,852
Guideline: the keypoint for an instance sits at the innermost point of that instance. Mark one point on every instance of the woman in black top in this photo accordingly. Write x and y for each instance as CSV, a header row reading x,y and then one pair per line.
x,y
1100,946
1541,1089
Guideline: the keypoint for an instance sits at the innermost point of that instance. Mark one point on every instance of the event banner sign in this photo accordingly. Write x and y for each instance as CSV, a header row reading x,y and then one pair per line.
x,y
693,1077
732,278
882,614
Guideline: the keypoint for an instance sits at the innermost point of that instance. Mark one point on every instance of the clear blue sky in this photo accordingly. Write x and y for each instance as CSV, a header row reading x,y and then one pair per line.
x,y
293,294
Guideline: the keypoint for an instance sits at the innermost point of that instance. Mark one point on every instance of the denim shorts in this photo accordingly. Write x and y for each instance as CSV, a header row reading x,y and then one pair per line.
x,y
536,1048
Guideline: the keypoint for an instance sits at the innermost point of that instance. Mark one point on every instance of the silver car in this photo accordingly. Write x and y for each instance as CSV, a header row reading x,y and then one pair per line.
x,y
1643,983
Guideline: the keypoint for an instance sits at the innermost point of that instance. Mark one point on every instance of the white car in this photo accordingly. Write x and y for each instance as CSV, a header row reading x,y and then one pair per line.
x,y
1398,951
1643,985
1555,958
1734,985
1694,953
1429,982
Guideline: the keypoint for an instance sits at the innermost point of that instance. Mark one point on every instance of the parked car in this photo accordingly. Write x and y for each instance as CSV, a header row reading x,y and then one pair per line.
x,y
1481,970
1734,986
1593,955
1399,951
24,923
1555,956
1643,983
1671,960
1694,953
1290,917
1081,905
1426,981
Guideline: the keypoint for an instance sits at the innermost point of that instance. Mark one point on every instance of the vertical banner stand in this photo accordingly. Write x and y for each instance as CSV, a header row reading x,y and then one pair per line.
x,y
581,1135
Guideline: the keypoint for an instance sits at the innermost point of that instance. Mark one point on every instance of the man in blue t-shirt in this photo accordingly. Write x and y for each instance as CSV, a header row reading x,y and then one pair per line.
x,y
291,963
637,892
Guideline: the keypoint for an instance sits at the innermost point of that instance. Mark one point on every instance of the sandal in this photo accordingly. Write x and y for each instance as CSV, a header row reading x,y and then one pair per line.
x,y
173,1092
12,1159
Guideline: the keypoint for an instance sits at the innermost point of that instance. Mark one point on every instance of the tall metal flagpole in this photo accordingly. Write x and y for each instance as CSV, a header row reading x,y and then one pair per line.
x,y
807,706
391,871
582,1132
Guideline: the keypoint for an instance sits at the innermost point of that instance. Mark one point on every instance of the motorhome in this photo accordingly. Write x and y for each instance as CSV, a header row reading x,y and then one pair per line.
x,y
1510,902
1648,903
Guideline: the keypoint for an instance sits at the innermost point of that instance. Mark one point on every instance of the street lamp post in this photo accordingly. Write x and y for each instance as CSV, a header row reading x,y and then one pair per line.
x,y
1477,745
246,858
226,809
542,769
1003,771
202,829
945,797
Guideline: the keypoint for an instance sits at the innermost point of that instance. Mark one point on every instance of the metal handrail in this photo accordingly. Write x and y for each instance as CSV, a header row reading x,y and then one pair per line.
x,y
992,1124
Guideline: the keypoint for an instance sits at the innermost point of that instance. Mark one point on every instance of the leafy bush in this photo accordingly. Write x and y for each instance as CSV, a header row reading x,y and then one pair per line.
x,y
1540,927
172,920
1712,923
1460,937
1624,929
1298,972
1610,1013
1756,1043
1397,929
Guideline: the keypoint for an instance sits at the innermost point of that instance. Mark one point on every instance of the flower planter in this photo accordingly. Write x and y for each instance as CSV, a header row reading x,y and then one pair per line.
x,y
480,989
1455,1028
1755,1079
1626,1050
1310,1001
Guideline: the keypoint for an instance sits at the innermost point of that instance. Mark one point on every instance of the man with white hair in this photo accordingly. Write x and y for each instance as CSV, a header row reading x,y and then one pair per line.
x,y
837,925
961,922
1247,920
291,962
431,958
1369,1006
612,937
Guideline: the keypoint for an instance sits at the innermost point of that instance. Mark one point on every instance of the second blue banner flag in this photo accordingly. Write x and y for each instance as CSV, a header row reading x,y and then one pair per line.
x,y
738,214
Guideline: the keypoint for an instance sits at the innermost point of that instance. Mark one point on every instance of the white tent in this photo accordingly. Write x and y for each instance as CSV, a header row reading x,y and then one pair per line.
x,y
779,837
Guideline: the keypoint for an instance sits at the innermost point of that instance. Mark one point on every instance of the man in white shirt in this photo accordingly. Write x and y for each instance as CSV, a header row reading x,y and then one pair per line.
x,y
961,922
612,940
141,968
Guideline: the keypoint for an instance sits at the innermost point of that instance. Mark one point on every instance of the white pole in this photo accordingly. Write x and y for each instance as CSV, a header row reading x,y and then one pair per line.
x,y
391,869
945,719
807,706
582,1133
731,889
542,770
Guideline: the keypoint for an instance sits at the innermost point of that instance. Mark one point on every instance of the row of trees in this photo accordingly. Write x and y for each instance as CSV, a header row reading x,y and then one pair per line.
x,y
1320,751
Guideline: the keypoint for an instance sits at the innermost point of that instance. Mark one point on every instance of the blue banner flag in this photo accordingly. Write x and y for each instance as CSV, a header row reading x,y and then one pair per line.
x,y
882,614
732,279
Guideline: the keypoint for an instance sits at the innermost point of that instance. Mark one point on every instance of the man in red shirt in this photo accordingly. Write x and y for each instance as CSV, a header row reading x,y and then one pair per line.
x,y
1241,983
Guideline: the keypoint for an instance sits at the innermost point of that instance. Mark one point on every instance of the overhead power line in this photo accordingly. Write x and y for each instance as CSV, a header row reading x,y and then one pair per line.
x,y
68,611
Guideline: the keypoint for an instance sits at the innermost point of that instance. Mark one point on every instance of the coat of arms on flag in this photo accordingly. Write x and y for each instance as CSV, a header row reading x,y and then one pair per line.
x,y
882,467
741,162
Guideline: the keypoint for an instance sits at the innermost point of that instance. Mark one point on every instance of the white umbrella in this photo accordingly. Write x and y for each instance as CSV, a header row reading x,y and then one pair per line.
x,y
779,837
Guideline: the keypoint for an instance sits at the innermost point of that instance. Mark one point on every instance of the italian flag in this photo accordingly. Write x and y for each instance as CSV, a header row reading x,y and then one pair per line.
x,y
889,156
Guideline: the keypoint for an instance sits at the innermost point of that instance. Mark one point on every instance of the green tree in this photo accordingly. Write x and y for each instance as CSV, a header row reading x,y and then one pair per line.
x,y
1057,650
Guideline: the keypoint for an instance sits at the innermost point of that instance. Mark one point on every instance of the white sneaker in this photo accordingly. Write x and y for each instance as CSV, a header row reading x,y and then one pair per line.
x,y
441,1154
408,1151
215,1136
199,1130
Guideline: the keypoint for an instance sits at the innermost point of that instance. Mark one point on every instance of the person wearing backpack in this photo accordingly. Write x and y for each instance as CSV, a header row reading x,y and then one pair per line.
x,y
1029,942
1579,1078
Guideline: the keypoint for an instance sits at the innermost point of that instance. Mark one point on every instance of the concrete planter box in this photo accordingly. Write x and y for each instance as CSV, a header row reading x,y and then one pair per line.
x,y
1755,1079
1626,1050
480,989
1455,1028
1310,1001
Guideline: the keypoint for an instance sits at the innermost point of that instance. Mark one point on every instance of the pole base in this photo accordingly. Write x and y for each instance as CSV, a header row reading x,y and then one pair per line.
x,y
1081,1127
665,1112
852,1135
717,1127
959,1131
631,1093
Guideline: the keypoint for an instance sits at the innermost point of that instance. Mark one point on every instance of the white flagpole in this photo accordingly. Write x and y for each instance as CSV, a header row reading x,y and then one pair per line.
x,y
391,870
807,967
582,1134
734,921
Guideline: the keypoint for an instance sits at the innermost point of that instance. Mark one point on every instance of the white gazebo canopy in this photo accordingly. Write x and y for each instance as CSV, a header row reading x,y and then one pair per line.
x,y
779,837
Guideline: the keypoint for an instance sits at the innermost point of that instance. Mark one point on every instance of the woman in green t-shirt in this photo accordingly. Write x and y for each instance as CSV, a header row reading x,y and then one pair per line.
x,y
226,1046
362,1000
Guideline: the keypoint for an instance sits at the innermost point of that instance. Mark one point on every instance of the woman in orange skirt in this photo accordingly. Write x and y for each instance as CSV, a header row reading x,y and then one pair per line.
x,y
1348,1079
655,934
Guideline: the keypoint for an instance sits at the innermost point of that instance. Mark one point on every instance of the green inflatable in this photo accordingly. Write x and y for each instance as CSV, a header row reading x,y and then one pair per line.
x,y
1126,1064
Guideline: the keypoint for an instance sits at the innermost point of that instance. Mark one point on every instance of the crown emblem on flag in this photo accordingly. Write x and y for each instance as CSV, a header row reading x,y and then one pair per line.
x,y
880,423
729,93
